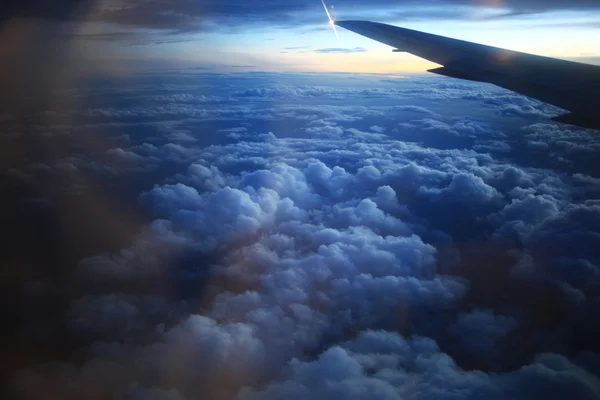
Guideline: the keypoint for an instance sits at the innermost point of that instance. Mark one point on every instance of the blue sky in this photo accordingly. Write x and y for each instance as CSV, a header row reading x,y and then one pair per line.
x,y
277,36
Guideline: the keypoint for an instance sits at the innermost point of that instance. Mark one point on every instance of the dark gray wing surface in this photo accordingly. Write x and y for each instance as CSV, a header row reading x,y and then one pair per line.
x,y
569,85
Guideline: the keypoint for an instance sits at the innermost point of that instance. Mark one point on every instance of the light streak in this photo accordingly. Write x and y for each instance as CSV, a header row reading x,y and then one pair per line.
x,y
331,22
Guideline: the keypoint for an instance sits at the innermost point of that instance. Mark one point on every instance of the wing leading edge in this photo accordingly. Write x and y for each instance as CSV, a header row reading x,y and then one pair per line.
x,y
569,85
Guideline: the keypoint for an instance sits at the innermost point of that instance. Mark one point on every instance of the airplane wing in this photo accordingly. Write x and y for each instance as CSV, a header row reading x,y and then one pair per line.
x,y
572,86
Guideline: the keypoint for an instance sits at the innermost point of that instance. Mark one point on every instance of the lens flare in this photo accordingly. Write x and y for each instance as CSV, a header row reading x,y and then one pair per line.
x,y
331,22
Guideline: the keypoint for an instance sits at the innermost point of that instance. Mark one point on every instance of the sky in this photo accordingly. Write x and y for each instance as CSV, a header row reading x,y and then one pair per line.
x,y
288,36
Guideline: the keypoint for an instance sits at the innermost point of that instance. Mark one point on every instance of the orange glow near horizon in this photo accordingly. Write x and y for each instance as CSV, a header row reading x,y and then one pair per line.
x,y
367,62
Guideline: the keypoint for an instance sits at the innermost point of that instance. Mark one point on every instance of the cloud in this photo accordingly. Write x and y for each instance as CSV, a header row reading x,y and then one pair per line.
x,y
581,221
307,278
118,316
301,247
341,50
459,129
317,263
481,335
202,15
310,272
465,189
382,365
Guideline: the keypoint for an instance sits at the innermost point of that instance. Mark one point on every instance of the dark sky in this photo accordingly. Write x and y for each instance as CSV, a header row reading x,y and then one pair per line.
x,y
197,15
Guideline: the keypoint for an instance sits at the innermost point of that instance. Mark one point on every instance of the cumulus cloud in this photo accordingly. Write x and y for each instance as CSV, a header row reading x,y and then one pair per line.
x,y
318,263
382,365
463,189
481,336
316,267
327,259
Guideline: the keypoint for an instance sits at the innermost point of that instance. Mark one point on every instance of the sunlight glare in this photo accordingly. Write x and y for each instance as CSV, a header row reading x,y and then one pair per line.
x,y
331,22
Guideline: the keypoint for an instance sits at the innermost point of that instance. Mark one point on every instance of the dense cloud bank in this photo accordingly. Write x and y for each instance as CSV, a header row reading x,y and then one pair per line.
x,y
368,243
381,365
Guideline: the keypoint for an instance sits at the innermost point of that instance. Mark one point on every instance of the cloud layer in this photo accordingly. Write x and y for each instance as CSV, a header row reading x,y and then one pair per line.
x,y
306,247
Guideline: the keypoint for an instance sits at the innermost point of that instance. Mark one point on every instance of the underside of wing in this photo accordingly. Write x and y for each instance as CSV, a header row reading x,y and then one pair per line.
x,y
569,85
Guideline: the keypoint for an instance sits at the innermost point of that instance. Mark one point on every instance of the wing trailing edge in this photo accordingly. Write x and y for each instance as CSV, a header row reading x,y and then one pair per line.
x,y
451,73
